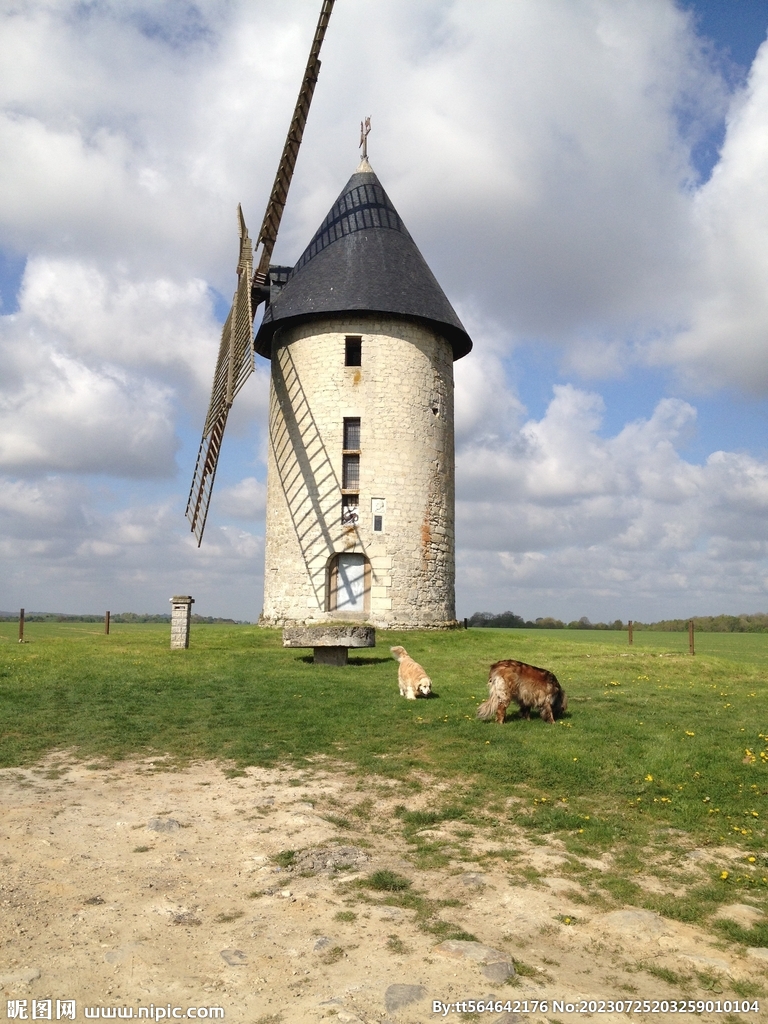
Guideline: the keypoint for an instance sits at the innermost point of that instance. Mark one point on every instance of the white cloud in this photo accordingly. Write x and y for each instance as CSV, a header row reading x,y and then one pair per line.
x,y
153,323
246,500
65,416
66,547
96,367
727,339
618,526
485,402
533,149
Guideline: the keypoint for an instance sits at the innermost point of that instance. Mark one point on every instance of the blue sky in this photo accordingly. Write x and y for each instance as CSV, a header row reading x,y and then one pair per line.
x,y
588,183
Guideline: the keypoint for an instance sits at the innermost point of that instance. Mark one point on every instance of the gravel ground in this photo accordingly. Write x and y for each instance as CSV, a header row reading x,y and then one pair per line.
x,y
133,886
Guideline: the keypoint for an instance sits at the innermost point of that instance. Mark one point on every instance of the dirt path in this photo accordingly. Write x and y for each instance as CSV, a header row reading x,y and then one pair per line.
x,y
132,887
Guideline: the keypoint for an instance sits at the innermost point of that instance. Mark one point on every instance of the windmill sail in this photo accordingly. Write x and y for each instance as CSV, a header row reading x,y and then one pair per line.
x,y
235,362
279,194
233,367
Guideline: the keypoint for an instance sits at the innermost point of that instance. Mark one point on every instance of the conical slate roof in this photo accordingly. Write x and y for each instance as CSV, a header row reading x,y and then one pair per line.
x,y
362,259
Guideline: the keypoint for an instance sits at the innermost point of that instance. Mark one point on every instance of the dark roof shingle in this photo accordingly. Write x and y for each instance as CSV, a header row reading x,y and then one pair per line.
x,y
362,259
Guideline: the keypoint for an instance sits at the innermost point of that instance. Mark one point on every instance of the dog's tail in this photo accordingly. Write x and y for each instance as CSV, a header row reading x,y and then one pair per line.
x,y
487,710
497,695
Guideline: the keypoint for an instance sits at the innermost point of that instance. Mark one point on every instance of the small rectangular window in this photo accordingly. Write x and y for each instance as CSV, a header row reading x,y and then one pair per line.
x,y
353,351
352,434
350,472
378,524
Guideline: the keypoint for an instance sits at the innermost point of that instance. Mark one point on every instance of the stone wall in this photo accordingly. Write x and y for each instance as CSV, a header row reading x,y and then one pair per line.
x,y
403,394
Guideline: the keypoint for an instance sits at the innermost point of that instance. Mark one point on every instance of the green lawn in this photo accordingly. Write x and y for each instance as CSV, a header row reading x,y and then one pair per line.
x,y
653,739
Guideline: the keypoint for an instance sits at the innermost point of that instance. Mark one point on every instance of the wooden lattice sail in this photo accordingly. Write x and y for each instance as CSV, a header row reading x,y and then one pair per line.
x,y
235,361
233,367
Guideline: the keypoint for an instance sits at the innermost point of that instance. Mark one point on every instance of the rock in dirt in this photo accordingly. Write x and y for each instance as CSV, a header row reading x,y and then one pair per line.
x,y
163,825
398,996
323,942
234,957
460,949
498,972
495,965
473,878
741,913
640,925
390,914
185,917
758,953
123,953
706,963
23,977
330,861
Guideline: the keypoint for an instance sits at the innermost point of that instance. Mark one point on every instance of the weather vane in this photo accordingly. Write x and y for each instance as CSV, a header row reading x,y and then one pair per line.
x,y
365,127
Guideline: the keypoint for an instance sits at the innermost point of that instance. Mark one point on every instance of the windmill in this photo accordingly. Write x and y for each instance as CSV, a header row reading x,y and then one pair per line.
x,y
235,360
361,339
360,509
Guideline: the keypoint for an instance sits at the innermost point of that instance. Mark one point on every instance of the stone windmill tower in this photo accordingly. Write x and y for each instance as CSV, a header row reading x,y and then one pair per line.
x,y
360,476
360,480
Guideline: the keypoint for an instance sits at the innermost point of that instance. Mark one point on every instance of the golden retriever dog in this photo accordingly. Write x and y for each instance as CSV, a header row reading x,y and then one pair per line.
x,y
414,681
529,687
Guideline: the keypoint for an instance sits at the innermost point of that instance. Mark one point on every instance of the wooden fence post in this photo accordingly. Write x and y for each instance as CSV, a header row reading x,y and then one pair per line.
x,y
629,631
21,626
106,623
690,636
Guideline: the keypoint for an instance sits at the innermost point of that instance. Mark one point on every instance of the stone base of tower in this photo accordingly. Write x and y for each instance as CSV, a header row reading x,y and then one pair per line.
x,y
279,622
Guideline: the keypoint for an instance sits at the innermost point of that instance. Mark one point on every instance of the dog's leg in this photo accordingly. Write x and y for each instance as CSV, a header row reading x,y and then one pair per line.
x,y
500,713
546,713
525,712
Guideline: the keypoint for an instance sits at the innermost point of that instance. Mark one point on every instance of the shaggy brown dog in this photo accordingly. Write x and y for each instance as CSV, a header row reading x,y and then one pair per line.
x,y
414,681
529,687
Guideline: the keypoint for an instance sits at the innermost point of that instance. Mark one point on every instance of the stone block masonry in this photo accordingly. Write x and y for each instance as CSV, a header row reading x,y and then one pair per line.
x,y
181,615
402,394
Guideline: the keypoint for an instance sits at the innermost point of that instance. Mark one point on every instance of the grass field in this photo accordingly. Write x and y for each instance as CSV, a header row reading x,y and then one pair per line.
x,y
655,744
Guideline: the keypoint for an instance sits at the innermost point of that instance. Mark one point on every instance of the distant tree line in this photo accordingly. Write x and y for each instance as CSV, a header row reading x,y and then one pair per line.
x,y
757,623
508,620
118,617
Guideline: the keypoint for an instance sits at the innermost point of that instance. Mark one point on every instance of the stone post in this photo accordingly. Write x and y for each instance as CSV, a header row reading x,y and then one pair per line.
x,y
181,613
